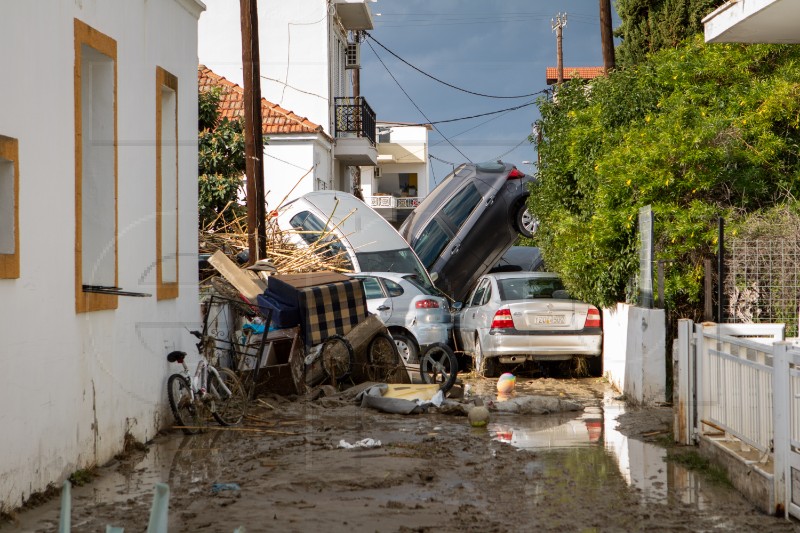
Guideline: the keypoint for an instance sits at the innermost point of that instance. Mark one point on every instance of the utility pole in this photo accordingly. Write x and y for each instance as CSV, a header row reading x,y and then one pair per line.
x,y
557,26
253,135
357,192
607,35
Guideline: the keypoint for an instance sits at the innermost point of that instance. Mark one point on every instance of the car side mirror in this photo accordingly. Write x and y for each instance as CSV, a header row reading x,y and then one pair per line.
x,y
457,306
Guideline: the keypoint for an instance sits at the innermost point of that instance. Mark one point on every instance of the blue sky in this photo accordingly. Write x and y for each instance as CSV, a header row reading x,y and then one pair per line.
x,y
497,47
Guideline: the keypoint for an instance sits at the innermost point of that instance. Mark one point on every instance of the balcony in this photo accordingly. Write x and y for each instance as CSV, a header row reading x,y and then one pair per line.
x,y
354,14
354,129
395,209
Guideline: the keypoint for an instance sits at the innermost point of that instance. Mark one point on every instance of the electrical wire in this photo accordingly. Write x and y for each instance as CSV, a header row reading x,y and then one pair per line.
x,y
501,156
444,82
415,104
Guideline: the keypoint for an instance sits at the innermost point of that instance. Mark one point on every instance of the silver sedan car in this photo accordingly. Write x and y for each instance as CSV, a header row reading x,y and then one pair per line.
x,y
413,314
511,318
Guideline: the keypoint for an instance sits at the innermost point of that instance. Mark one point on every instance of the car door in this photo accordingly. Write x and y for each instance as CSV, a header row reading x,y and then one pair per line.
x,y
467,318
378,301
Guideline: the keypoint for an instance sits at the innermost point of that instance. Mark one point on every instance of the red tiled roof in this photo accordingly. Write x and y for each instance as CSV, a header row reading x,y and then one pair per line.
x,y
274,119
586,73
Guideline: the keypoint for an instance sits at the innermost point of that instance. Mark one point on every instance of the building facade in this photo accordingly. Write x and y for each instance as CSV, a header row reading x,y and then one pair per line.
x,y
98,228
308,58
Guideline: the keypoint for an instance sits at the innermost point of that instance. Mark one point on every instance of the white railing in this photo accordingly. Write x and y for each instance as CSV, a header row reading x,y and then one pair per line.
x,y
736,393
743,380
786,459
396,202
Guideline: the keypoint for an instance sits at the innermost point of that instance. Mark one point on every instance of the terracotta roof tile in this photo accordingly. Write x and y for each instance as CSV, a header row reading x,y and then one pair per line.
x,y
586,73
274,119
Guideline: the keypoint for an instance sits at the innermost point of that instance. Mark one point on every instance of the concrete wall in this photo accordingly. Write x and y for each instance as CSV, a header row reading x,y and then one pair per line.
x,y
634,351
76,383
288,159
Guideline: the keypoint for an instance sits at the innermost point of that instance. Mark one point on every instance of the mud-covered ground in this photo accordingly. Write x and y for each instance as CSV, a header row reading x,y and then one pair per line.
x,y
581,471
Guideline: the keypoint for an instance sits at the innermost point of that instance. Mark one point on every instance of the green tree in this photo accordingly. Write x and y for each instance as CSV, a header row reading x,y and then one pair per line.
x,y
221,163
698,132
650,25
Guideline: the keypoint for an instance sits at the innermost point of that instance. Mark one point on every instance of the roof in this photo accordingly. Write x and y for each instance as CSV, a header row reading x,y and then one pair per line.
x,y
275,120
586,73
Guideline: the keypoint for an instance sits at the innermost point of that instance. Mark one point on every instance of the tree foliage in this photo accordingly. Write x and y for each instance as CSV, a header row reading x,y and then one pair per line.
x,y
650,25
221,163
698,132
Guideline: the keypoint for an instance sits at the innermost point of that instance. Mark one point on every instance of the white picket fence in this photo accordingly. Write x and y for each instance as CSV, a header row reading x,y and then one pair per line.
x,y
743,380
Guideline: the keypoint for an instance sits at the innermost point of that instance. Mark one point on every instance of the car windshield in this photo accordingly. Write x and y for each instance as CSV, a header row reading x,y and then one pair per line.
x,y
314,232
400,261
530,288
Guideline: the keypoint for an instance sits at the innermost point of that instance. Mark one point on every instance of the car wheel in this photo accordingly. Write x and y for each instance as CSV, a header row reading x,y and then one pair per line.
x,y
407,348
484,366
525,223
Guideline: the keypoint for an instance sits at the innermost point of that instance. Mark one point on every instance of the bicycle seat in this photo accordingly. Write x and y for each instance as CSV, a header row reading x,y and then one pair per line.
x,y
176,357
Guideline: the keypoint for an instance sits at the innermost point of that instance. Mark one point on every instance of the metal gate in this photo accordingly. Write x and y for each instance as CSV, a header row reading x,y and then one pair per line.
x,y
787,424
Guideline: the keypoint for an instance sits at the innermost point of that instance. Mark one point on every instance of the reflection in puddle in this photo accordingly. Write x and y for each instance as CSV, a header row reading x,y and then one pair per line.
x,y
592,435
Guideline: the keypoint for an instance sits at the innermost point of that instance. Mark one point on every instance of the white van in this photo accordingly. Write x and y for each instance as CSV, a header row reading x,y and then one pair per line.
x,y
354,230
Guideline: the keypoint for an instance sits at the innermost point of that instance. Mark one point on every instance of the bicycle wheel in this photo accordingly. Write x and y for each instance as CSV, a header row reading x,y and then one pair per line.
x,y
183,408
337,357
227,409
439,365
384,359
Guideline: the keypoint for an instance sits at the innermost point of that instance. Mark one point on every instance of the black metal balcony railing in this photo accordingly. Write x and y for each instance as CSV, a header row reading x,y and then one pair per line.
x,y
354,115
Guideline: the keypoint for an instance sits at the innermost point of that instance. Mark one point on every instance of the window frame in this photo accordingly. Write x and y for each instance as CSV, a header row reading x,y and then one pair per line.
x,y
166,290
9,263
105,45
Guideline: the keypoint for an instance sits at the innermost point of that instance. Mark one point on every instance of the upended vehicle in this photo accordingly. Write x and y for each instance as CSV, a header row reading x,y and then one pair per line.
x,y
464,226
515,317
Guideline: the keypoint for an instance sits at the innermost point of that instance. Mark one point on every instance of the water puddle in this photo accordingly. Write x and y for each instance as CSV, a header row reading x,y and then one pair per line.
x,y
591,440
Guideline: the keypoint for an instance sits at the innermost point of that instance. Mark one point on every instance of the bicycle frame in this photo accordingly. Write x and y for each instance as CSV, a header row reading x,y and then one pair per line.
x,y
199,382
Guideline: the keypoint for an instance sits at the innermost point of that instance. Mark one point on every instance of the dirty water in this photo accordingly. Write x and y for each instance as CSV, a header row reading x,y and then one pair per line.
x,y
432,472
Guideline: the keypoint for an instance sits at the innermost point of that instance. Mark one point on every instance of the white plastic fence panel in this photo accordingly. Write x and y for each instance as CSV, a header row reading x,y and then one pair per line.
x,y
787,428
735,380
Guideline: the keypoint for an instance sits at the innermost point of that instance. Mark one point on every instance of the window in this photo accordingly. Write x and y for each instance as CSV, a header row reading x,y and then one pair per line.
x,y
394,289
311,229
461,205
430,243
478,296
95,169
9,208
372,288
166,185
400,261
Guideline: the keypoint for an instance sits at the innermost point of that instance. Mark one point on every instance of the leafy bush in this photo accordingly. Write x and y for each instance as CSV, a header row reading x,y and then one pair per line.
x,y
221,163
698,132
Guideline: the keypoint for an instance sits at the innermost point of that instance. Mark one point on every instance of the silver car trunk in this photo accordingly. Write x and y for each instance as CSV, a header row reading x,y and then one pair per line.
x,y
548,315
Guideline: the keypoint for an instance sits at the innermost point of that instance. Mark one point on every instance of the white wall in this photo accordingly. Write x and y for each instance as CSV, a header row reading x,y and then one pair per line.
x,y
289,158
77,382
634,351
294,52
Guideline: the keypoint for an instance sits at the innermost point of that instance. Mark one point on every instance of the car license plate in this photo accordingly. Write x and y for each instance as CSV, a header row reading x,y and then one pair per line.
x,y
548,320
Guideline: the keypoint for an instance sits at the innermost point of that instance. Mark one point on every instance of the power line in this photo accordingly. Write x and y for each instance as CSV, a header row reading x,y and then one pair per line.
x,y
501,156
442,81
415,104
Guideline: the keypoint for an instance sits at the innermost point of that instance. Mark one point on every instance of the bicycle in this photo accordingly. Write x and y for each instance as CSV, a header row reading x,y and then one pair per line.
x,y
191,398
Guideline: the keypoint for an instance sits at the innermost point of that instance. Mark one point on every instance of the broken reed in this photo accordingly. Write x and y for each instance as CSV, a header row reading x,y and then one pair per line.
x,y
284,255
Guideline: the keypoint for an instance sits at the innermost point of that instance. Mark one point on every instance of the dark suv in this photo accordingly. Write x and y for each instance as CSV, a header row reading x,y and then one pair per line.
x,y
467,223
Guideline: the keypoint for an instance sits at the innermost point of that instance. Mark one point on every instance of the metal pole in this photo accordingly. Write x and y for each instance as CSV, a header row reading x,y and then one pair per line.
x,y
720,269
558,26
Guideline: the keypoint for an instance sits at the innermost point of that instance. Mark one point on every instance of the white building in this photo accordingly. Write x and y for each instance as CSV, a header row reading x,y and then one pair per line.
x,y
98,199
400,181
305,49
754,21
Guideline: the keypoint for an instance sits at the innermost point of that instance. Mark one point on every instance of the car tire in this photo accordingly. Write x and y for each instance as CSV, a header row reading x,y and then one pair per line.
x,y
524,221
407,347
484,366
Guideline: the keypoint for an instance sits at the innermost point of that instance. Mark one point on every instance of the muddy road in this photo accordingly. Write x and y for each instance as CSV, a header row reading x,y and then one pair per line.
x,y
597,470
